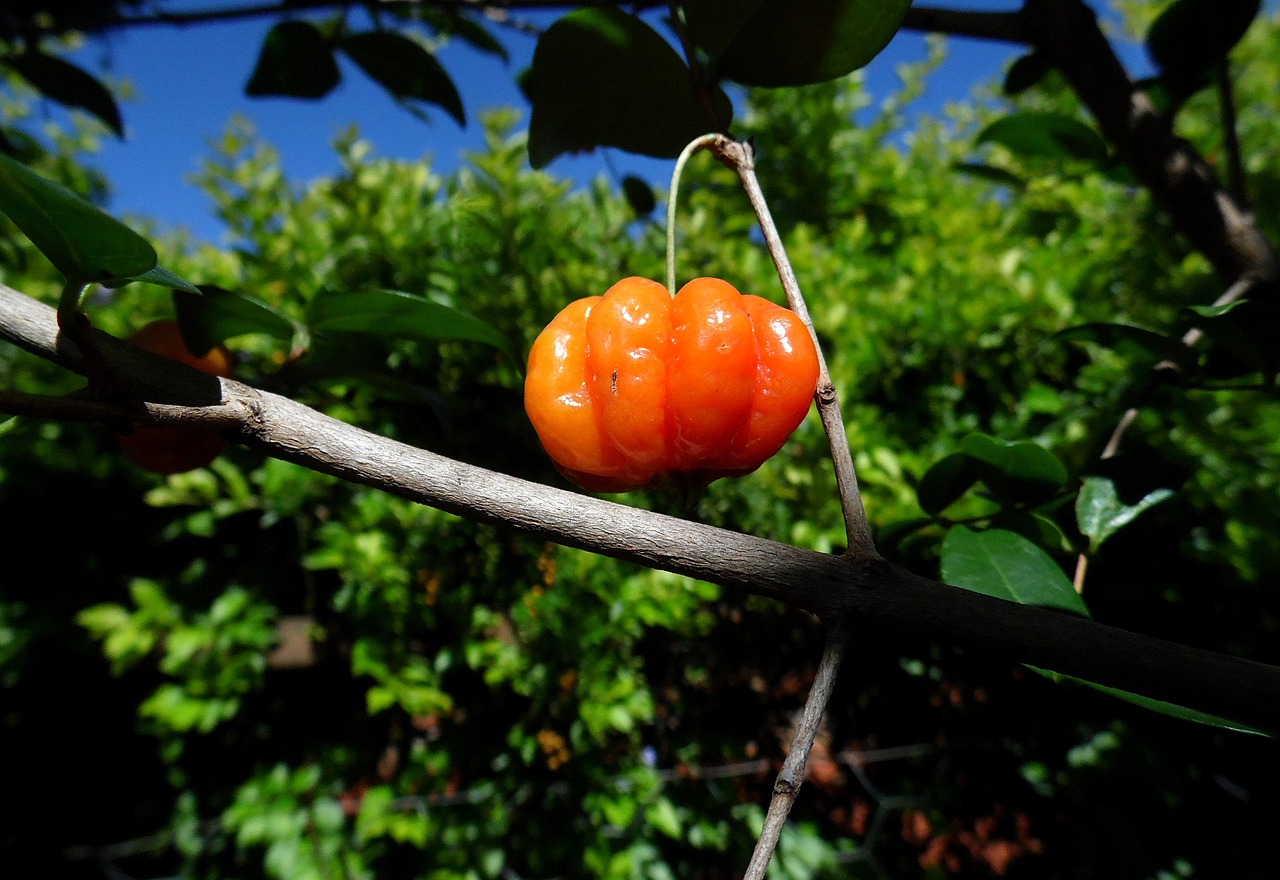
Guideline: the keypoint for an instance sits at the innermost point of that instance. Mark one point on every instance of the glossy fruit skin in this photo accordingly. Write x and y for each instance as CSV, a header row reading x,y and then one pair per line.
x,y
165,449
630,386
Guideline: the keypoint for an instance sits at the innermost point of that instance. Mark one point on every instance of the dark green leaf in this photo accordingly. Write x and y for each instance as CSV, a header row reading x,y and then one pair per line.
x,y
1100,513
1044,135
991,173
1190,37
1007,566
1127,338
601,77
945,482
296,61
1212,311
405,69
639,195
68,84
1170,709
397,315
471,32
1017,467
792,42
1025,72
82,242
213,315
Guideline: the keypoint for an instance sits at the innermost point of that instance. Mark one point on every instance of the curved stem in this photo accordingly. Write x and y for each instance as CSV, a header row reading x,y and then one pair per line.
x,y
700,143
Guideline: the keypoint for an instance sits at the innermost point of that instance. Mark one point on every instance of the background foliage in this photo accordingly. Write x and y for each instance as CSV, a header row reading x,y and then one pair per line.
x,y
253,670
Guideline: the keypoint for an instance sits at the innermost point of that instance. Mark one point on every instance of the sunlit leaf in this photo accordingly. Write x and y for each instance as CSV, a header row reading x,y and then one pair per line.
x,y
295,61
1007,566
81,241
792,42
1100,513
399,316
601,77
1045,135
405,69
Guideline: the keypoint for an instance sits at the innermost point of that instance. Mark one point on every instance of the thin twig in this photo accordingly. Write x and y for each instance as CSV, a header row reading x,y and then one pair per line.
x,y
792,774
739,156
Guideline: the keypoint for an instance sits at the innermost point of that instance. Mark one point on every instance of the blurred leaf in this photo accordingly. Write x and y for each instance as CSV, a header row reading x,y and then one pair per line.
x,y
991,173
399,316
1025,72
601,77
1044,135
213,315
82,242
1100,513
69,85
469,31
1127,338
1190,38
639,195
295,61
1007,566
405,69
792,42
1212,311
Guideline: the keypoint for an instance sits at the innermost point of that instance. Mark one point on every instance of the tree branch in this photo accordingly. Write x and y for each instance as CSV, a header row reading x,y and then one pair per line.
x,y
870,591
1066,32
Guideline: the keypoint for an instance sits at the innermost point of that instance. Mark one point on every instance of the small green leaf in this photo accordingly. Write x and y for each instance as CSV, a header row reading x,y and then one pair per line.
x,y
639,195
82,242
1044,135
1212,311
1007,566
1100,513
601,77
469,31
69,85
212,315
776,43
296,61
405,69
1025,72
397,315
164,278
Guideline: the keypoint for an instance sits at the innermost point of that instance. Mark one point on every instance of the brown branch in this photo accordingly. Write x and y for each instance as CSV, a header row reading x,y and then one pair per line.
x,y
869,591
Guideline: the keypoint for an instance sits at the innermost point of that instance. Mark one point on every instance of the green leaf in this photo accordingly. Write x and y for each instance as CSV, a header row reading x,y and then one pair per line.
x,y
296,61
1133,340
161,276
1100,513
639,195
1007,566
213,315
69,85
775,43
1164,708
1044,135
1008,465
1190,38
471,32
397,315
1025,72
601,77
405,69
82,242
991,173
945,482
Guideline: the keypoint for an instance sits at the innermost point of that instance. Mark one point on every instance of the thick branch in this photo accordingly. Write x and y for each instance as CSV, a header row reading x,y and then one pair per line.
x,y
866,589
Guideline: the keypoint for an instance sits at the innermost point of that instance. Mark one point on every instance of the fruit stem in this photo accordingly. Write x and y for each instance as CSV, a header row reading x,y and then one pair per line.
x,y
699,143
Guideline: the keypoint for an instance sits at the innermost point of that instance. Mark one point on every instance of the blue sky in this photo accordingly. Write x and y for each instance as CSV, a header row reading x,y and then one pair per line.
x,y
188,84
